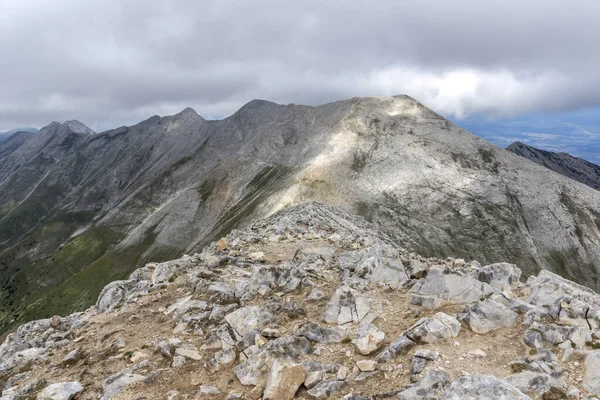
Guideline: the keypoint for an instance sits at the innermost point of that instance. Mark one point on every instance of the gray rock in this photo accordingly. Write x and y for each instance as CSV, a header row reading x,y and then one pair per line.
x,y
533,339
431,384
591,375
397,347
316,295
489,316
319,334
368,339
323,390
442,285
430,330
284,380
538,385
244,320
347,305
500,275
253,370
115,383
478,387
61,391
208,391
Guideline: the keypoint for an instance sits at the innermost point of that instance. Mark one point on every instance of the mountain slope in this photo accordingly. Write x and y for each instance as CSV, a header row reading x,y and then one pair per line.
x,y
7,134
80,209
565,164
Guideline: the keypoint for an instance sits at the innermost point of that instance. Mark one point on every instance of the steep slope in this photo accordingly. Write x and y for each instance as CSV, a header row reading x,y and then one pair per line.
x,y
565,164
80,209
314,303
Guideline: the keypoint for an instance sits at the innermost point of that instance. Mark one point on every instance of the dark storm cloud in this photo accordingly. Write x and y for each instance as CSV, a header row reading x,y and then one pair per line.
x,y
114,62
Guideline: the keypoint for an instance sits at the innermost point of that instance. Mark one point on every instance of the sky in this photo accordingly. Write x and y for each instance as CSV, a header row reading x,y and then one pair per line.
x,y
531,66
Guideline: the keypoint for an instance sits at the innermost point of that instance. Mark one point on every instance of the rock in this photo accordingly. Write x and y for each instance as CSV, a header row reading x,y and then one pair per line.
x,y
173,395
430,330
500,275
246,319
342,373
284,380
397,347
271,333
477,387
178,361
347,305
316,295
429,386
417,365
208,391
252,371
533,339
115,383
538,385
489,316
369,339
477,353
366,365
258,256
429,355
325,389
72,357
188,353
61,391
591,374
312,378
138,356
319,334
442,285
21,358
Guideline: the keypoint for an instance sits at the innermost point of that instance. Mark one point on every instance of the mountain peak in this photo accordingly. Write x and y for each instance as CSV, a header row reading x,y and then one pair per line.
x,y
78,127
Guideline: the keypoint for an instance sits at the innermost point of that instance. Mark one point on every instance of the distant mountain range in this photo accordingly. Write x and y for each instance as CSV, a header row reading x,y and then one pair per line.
x,y
79,210
563,163
6,135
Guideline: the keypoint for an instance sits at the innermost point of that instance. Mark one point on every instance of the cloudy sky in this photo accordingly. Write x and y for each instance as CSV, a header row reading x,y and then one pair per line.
x,y
112,62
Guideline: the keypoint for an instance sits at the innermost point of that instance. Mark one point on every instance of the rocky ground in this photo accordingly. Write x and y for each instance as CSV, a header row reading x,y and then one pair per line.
x,y
314,304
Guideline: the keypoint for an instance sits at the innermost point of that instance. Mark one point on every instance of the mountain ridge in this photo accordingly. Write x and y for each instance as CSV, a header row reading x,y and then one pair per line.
x,y
96,206
563,163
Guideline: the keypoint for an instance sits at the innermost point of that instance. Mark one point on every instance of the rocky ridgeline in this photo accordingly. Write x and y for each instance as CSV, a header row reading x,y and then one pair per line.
x,y
314,304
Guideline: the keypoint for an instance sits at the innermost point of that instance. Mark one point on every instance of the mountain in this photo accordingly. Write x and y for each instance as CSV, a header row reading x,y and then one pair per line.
x,y
7,134
315,303
80,210
565,164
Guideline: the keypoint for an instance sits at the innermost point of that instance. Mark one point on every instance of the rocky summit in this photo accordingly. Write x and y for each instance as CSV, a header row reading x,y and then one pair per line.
x,y
315,303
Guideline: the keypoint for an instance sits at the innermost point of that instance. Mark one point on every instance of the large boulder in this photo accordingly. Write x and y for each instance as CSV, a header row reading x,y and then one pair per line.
x,y
431,384
246,319
61,391
284,380
502,276
430,330
478,387
489,316
445,286
115,383
591,375
348,305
